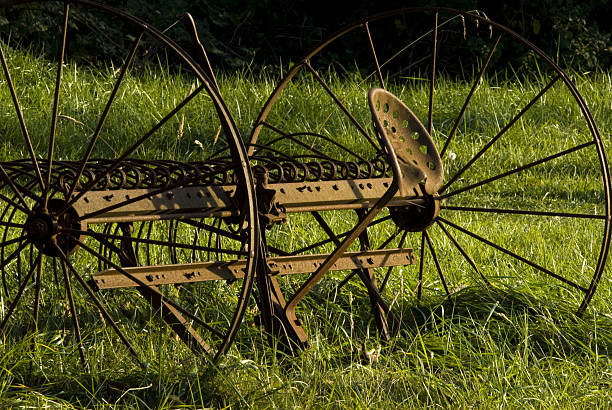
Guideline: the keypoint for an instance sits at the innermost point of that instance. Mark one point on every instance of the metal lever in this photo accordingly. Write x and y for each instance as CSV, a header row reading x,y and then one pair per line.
x,y
200,56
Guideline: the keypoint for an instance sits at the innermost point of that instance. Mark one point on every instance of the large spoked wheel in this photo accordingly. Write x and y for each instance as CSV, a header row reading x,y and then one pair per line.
x,y
524,203
97,149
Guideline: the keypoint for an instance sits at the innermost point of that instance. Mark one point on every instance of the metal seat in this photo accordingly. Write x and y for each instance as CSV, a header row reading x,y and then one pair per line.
x,y
401,132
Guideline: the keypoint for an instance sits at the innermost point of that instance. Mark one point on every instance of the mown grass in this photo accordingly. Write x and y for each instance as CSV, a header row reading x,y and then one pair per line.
x,y
518,345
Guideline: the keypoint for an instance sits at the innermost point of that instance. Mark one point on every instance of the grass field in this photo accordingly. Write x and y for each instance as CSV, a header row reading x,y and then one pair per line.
x,y
518,344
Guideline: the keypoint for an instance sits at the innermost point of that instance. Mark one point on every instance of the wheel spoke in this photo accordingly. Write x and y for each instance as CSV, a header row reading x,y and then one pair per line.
x,y
13,305
73,312
432,79
323,224
463,253
154,242
58,83
24,128
340,236
15,204
388,275
37,294
14,240
512,254
25,190
15,190
211,229
66,262
131,150
374,56
502,132
111,99
7,260
421,268
341,105
518,169
293,137
436,262
11,224
475,84
154,290
522,212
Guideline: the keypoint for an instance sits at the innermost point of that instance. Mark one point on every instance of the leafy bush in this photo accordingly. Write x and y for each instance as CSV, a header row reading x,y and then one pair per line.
x,y
576,33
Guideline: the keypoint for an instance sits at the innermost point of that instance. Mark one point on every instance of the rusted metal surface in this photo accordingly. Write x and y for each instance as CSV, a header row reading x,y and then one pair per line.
x,y
280,265
163,226
219,201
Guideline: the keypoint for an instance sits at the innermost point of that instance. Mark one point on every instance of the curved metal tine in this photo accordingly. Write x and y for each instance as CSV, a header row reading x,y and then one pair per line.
x,y
341,105
379,67
388,275
432,79
26,191
11,224
15,301
37,295
354,272
131,150
292,137
514,255
11,242
58,83
374,56
214,229
141,283
340,236
101,308
109,103
98,235
15,204
436,262
465,255
361,226
73,312
475,84
24,128
9,259
499,134
518,169
146,195
421,267
16,191
522,212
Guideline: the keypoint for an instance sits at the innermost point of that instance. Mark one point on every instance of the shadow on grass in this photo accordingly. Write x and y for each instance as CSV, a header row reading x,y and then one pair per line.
x,y
469,329
509,318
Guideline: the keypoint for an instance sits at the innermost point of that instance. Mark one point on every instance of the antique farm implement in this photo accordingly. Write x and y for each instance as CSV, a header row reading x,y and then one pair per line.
x,y
399,189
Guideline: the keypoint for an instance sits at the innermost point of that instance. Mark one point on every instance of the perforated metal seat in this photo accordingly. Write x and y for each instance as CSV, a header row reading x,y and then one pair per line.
x,y
401,132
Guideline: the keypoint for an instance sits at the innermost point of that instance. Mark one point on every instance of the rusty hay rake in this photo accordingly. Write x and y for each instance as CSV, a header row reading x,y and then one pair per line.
x,y
401,187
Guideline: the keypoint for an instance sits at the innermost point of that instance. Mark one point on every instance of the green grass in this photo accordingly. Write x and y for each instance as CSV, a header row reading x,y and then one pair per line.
x,y
516,345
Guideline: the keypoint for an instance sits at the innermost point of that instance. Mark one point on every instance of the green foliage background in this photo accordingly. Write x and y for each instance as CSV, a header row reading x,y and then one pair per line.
x,y
576,33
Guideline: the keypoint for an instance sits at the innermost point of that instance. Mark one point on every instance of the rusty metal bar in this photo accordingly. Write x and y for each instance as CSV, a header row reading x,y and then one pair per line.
x,y
209,201
230,270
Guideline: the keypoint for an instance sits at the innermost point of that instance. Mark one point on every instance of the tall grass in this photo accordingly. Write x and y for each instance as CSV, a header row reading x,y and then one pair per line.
x,y
515,346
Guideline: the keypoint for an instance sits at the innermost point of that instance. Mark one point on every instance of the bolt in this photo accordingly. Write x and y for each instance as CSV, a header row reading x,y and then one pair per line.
x,y
39,228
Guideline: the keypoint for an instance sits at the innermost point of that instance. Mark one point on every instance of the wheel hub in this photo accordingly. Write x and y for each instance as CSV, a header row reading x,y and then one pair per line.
x,y
44,229
40,227
418,216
